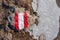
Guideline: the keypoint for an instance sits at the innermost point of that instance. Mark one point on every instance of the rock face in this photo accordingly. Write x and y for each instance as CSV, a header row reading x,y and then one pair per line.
x,y
58,3
7,8
48,13
21,35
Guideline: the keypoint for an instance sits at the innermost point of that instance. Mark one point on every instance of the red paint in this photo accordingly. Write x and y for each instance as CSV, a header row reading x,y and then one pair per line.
x,y
25,20
16,21
16,24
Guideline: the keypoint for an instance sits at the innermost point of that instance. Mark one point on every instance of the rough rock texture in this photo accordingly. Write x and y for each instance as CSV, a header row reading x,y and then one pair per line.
x,y
48,12
58,3
21,35
5,32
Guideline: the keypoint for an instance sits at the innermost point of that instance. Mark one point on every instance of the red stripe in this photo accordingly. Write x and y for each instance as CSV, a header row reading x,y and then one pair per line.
x,y
25,20
16,21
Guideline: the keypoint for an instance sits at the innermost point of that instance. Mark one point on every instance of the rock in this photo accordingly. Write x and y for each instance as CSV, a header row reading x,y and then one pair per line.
x,y
58,3
41,37
8,34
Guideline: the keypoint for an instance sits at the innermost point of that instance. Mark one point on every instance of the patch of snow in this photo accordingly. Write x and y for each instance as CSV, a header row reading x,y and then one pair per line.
x,y
48,19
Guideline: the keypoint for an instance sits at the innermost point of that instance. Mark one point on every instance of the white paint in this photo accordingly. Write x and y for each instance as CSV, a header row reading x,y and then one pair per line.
x,y
21,20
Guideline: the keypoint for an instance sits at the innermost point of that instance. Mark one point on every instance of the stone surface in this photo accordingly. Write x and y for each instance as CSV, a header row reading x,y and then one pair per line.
x,y
48,13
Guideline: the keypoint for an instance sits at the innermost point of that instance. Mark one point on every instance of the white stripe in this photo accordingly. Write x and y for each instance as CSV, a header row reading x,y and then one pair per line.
x,y
21,20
